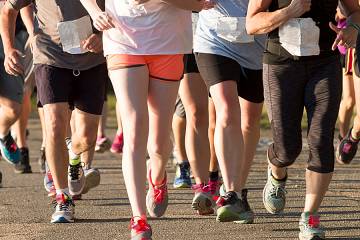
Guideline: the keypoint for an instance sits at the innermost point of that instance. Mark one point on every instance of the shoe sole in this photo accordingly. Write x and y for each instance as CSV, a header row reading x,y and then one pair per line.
x,y
62,220
91,181
303,237
115,151
223,215
8,160
26,171
203,206
270,209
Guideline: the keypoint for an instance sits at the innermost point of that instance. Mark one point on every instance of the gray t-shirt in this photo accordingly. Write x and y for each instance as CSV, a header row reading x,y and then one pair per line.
x,y
248,55
47,48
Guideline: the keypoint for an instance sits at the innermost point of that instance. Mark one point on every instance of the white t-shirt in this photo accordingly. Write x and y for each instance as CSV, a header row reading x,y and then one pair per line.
x,y
153,28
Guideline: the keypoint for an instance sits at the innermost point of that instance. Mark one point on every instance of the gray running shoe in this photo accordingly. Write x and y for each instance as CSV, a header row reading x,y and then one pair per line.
x,y
64,209
274,194
157,199
140,229
233,209
310,228
203,201
76,179
92,179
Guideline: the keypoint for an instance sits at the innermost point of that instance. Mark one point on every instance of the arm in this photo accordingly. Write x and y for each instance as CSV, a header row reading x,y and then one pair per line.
x,y
347,37
191,5
12,62
101,20
28,19
260,21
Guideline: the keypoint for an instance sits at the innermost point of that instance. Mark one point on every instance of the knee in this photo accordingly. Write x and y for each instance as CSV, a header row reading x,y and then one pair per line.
x,y
12,111
56,126
284,156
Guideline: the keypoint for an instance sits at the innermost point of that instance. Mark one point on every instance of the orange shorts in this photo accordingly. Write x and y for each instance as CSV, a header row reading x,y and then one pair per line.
x,y
163,67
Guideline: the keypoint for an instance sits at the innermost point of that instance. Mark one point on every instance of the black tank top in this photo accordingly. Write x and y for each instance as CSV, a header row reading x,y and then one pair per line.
x,y
322,12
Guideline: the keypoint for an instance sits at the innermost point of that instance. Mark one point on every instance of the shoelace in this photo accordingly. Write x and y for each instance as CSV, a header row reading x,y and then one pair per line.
x,y
213,186
140,225
201,188
63,202
74,171
277,191
159,193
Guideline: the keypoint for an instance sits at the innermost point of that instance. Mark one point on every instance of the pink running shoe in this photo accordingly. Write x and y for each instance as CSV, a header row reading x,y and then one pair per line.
x,y
118,144
157,199
140,229
203,201
214,187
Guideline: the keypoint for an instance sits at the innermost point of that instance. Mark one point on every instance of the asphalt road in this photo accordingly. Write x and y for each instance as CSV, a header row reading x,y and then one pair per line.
x,y
104,212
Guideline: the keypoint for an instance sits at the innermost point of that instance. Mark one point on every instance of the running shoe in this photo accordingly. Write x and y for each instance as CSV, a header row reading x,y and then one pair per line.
x,y
118,144
92,179
0,180
347,149
24,165
310,228
140,229
42,160
103,144
182,176
9,150
64,209
274,194
157,199
234,209
76,179
214,187
203,201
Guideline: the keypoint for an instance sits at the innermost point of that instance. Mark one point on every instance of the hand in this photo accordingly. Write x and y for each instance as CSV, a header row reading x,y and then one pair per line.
x,y
93,43
102,21
346,37
12,63
298,7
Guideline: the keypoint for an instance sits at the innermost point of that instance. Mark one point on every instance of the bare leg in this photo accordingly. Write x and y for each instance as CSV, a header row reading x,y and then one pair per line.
x,y
347,105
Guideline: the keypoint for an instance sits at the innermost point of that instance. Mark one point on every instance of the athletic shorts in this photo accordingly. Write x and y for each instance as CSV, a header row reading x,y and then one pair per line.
x,y
216,69
179,108
84,90
190,64
349,62
12,87
162,67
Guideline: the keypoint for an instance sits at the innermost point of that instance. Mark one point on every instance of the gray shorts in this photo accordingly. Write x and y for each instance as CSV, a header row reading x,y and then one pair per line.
x,y
12,87
179,108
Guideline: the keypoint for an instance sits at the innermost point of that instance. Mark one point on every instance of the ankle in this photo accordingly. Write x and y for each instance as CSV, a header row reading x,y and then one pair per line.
x,y
214,176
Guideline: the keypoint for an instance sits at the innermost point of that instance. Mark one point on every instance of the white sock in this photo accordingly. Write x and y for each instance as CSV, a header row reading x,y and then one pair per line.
x,y
65,190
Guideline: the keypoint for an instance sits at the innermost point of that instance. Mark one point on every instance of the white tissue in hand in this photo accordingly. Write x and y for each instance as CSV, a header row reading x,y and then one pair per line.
x,y
73,33
300,37
233,30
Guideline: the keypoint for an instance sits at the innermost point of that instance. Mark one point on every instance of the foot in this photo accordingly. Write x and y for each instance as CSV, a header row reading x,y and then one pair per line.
x,y
24,165
157,199
76,179
92,179
64,209
182,177
42,160
102,144
203,201
234,209
274,194
9,150
310,228
118,144
347,149
140,229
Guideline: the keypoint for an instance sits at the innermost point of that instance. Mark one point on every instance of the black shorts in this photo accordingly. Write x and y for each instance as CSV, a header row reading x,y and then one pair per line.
x,y
215,69
190,65
84,90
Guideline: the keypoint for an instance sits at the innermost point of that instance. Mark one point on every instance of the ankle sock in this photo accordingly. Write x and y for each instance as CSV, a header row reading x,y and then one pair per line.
x,y
214,176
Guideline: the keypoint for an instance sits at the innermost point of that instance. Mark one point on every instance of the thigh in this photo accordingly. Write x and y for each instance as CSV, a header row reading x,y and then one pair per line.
x,y
54,85
284,98
89,90
250,86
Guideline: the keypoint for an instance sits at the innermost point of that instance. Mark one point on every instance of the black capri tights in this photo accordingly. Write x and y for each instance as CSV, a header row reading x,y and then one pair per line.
x,y
315,85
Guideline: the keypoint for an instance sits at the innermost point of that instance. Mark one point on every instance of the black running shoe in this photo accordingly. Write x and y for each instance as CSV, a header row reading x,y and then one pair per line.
x,y
347,149
24,165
